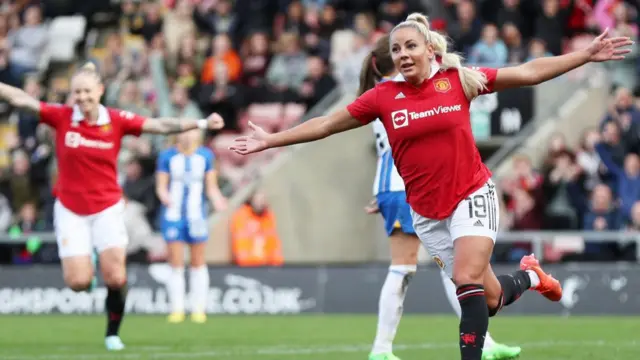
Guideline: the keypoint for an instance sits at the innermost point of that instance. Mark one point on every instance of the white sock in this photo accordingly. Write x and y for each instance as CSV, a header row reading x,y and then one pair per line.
x,y
488,341
199,287
450,291
176,289
535,280
390,307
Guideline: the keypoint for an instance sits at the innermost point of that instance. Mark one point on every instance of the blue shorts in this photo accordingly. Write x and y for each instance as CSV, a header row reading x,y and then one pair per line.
x,y
395,211
192,232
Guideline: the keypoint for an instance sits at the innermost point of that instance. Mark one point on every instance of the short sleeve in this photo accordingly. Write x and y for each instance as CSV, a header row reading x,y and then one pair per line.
x,y
163,161
52,114
365,108
131,123
491,75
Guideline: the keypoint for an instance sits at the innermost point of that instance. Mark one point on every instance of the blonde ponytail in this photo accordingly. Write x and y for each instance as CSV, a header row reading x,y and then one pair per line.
x,y
89,68
473,81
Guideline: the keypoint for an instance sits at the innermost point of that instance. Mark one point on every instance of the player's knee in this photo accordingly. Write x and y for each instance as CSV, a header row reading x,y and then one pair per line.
x,y
467,277
77,282
494,304
114,277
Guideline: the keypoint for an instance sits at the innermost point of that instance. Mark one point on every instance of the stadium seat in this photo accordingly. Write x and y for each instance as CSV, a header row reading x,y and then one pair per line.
x,y
292,115
267,116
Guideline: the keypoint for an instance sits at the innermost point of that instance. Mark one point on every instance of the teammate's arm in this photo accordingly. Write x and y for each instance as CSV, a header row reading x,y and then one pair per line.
x,y
19,98
542,69
166,126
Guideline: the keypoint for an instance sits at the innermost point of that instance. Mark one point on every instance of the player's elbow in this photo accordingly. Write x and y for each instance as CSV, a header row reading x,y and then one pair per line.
x,y
529,75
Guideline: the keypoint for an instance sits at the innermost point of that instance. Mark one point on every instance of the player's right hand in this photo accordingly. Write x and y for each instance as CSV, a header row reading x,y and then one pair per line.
x,y
252,143
372,208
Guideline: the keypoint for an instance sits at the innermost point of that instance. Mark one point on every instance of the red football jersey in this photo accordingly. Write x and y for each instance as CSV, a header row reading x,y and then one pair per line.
x,y
87,155
429,129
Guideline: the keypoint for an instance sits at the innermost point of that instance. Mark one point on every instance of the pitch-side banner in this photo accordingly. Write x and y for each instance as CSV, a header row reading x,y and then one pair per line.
x,y
588,289
502,114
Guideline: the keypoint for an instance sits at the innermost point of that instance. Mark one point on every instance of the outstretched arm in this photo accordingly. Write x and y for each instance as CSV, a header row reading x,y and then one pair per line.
x,y
19,98
310,130
543,69
165,126
314,129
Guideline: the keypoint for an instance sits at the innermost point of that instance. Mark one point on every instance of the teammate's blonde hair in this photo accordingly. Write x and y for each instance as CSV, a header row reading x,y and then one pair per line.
x,y
473,81
89,68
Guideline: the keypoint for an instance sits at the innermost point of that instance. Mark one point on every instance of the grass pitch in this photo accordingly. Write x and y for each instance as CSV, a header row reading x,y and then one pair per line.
x,y
309,337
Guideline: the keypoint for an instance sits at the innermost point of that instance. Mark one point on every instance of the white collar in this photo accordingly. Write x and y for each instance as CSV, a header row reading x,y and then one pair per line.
x,y
435,67
103,115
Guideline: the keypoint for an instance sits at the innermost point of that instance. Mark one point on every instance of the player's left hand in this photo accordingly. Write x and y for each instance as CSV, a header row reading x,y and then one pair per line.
x,y
372,208
215,121
605,49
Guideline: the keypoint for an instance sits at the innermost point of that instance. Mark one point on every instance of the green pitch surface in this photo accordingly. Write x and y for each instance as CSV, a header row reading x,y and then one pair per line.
x,y
309,338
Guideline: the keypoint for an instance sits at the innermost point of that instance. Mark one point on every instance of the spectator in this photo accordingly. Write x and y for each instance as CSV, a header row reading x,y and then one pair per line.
x,y
222,96
624,73
139,186
256,57
28,122
287,69
216,17
466,31
559,211
537,49
177,24
551,23
328,22
588,159
21,186
28,43
318,84
392,12
510,13
254,237
600,214
490,51
517,53
28,220
174,102
224,53
627,178
151,22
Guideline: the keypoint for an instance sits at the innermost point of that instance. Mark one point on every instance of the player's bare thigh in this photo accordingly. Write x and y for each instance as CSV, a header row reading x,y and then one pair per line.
x,y
404,248
471,260
77,272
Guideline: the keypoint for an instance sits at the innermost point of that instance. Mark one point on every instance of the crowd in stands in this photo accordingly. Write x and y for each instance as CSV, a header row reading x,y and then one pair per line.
x,y
269,61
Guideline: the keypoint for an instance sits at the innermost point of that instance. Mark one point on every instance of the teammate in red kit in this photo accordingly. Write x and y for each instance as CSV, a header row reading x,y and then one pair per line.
x,y
89,208
454,203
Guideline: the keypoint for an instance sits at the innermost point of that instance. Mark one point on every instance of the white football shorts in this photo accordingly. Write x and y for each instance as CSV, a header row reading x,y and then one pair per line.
x,y
78,235
477,215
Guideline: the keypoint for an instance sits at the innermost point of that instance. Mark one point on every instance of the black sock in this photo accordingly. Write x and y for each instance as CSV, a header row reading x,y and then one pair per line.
x,y
116,298
474,321
514,285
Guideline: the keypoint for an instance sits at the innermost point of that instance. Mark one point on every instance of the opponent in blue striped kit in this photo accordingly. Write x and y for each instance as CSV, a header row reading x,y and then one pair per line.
x,y
186,182
388,187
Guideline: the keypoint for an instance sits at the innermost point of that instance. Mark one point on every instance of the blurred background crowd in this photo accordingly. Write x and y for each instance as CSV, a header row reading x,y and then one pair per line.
x,y
271,61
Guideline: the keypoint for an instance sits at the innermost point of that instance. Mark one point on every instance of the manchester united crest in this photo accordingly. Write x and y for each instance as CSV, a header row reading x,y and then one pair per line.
x,y
442,85
105,128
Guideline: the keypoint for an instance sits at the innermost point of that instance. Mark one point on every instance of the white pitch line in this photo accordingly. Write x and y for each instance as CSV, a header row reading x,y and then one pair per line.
x,y
284,350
